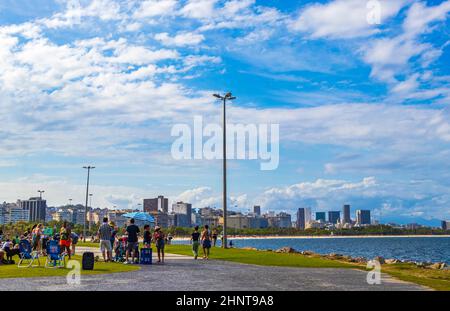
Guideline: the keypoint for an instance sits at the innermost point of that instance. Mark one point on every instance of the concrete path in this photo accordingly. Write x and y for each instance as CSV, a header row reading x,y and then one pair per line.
x,y
183,273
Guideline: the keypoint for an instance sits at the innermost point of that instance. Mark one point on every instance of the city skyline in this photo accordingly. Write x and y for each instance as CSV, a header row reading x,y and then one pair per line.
x,y
160,204
362,107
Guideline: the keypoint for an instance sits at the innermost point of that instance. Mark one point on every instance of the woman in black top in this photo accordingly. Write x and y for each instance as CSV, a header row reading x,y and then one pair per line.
x,y
195,238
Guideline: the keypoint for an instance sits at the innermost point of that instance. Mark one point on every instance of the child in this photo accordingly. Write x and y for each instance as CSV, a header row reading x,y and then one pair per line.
x,y
159,238
147,237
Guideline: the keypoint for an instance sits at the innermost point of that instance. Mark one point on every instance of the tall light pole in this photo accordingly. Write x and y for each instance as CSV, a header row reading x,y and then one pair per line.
x,y
224,99
90,207
89,168
40,194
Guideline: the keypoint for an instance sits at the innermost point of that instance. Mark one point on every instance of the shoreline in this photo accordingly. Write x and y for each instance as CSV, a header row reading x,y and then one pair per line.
x,y
259,237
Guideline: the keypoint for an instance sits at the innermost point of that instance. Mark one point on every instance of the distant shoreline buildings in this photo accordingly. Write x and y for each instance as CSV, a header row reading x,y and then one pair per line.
x,y
182,214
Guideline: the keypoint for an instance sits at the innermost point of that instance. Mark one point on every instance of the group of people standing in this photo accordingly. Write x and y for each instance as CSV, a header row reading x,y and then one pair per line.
x,y
108,233
108,238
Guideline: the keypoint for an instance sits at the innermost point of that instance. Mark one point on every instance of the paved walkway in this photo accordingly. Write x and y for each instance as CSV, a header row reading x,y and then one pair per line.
x,y
183,273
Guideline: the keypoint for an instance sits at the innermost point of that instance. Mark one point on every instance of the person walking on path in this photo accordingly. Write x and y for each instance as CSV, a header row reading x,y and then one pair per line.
x,y
104,234
158,237
195,238
206,241
132,242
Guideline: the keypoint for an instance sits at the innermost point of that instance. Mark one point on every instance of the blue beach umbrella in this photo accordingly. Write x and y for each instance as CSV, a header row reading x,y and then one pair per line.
x,y
140,216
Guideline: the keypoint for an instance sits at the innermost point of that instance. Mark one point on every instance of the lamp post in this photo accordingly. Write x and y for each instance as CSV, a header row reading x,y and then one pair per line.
x,y
90,207
40,194
89,168
224,98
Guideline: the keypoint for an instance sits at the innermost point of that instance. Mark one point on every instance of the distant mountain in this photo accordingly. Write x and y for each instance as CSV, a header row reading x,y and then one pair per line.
x,y
433,222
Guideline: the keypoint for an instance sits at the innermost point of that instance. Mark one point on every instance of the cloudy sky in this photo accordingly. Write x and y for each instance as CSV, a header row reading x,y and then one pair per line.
x,y
362,107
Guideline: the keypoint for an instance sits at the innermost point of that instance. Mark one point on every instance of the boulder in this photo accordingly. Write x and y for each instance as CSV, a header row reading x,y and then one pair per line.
x,y
420,264
437,266
391,261
307,253
286,249
359,260
335,256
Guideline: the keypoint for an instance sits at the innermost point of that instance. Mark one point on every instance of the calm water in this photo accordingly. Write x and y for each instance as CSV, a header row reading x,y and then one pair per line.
x,y
434,249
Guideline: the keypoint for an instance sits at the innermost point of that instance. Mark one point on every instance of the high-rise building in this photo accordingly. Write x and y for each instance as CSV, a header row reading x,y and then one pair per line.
x,y
320,216
334,217
257,210
363,217
281,220
346,214
36,208
159,204
445,225
161,219
16,214
182,208
4,214
303,217
183,214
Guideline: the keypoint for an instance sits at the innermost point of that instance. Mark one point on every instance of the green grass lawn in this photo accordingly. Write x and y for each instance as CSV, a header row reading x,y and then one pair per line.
x,y
264,258
12,271
436,279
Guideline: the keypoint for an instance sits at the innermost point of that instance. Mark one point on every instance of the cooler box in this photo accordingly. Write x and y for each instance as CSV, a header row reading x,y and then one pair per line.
x,y
146,256
87,262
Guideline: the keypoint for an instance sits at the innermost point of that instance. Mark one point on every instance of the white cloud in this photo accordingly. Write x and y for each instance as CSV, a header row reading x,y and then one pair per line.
x,y
394,199
153,8
343,18
391,57
180,39
420,16
104,10
201,9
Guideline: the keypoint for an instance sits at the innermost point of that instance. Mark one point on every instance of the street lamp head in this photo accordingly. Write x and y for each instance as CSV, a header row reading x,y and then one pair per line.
x,y
217,96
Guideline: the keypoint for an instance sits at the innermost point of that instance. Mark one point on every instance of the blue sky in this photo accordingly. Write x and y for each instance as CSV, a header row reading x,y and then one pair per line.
x,y
362,107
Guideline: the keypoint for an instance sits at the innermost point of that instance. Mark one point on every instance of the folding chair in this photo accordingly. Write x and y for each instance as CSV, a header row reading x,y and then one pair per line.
x,y
54,257
27,255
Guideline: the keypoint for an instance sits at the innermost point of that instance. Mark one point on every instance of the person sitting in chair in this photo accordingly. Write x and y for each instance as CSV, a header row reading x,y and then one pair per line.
x,y
9,251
